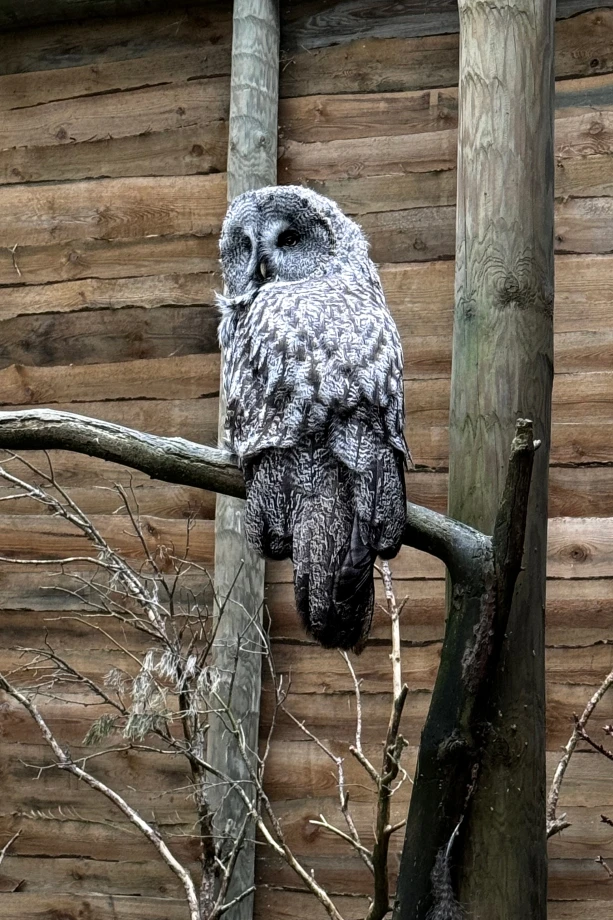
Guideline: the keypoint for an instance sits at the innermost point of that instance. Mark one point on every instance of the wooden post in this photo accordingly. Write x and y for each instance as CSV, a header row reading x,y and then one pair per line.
x,y
478,802
503,368
239,573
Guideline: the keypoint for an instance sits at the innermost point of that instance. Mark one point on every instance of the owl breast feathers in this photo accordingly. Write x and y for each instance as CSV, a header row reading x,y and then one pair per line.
x,y
314,401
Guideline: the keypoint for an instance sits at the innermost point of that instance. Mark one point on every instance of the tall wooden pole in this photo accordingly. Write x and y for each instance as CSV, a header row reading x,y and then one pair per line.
x,y
502,369
476,822
239,573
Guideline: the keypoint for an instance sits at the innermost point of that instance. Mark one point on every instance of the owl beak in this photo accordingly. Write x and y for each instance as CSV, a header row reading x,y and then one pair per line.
x,y
263,269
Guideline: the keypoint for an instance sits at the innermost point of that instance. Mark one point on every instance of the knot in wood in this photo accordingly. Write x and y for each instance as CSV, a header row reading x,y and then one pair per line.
x,y
579,552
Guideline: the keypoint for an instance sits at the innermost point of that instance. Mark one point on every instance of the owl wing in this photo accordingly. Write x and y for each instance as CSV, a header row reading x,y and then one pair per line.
x,y
316,355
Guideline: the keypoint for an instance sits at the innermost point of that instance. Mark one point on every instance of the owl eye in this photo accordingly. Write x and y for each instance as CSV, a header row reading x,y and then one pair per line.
x,y
288,238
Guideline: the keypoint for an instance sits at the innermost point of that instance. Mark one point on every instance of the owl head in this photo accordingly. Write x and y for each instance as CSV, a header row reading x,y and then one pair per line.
x,y
285,233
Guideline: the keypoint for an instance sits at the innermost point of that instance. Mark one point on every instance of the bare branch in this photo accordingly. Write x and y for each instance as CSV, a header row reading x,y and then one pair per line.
x,y
65,763
7,846
187,463
555,824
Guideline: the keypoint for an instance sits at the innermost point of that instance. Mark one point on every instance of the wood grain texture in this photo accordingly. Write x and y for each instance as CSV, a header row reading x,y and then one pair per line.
x,y
89,337
315,24
23,906
502,367
127,78
582,107
309,24
119,258
169,152
148,292
68,79
150,109
371,64
111,209
239,572
76,44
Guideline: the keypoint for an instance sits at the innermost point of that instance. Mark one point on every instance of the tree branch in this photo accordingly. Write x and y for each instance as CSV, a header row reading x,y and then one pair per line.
x,y
63,762
483,574
183,462
169,459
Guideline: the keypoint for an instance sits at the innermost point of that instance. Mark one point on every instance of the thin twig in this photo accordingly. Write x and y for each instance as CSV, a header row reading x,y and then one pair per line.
x,y
556,824
8,845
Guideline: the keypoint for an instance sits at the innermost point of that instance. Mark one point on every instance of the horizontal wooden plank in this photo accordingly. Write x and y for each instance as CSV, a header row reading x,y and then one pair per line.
x,y
416,235
87,338
69,836
310,26
140,775
579,612
28,536
580,492
582,114
273,904
576,352
160,499
193,419
189,377
78,44
147,293
197,149
368,156
573,444
111,209
575,397
583,225
420,181
92,337
352,115
95,259
581,128
67,80
578,879
567,910
71,875
157,108
420,295
313,24
587,397
333,716
392,64
371,65
569,879
24,906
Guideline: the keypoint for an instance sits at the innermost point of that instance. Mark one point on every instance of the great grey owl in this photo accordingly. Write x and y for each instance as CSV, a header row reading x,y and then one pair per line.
x,y
314,399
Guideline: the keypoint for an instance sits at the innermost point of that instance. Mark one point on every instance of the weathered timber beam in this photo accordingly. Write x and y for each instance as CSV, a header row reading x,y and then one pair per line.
x,y
19,14
343,22
185,462
239,571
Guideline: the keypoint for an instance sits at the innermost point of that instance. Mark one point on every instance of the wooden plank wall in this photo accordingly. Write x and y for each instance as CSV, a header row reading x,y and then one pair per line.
x,y
112,188
113,137
372,123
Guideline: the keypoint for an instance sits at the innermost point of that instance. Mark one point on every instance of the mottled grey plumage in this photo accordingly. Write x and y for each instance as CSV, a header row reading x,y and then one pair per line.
x,y
314,396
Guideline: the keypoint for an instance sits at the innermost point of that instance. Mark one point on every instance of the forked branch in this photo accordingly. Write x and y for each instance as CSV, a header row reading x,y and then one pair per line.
x,y
455,733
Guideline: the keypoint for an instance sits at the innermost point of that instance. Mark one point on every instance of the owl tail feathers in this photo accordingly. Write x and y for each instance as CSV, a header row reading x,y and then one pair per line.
x,y
336,600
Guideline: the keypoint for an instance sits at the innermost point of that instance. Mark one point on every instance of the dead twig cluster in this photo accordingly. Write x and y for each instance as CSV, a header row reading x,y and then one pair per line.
x,y
160,618
557,823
